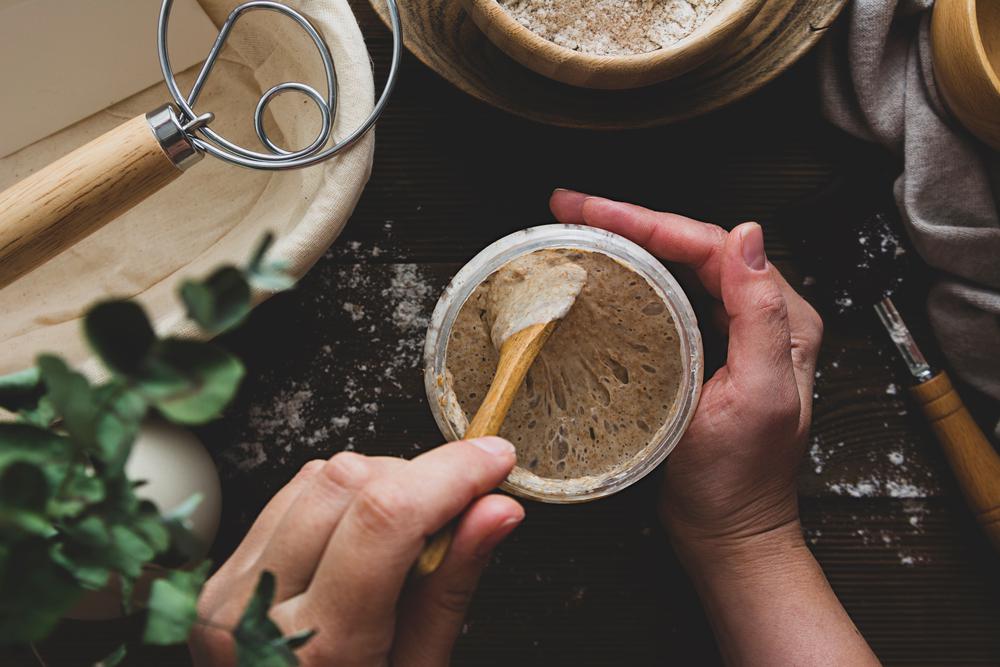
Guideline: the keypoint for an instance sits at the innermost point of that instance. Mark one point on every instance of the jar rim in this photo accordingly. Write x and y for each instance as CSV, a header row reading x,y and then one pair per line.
x,y
581,489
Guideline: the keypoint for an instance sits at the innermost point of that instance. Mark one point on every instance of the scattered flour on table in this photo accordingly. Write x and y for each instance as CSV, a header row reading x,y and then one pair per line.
x,y
864,463
380,315
611,27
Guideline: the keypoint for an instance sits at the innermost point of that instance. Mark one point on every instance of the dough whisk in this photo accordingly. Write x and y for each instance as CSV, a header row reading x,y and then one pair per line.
x,y
71,198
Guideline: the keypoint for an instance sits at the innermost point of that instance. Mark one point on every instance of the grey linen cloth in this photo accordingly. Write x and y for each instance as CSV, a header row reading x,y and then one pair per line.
x,y
878,84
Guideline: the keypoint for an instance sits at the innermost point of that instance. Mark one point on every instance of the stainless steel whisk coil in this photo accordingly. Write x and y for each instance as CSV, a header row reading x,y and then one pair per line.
x,y
191,135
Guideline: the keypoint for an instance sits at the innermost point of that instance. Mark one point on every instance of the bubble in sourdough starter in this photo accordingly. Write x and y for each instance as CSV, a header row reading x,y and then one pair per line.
x,y
603,385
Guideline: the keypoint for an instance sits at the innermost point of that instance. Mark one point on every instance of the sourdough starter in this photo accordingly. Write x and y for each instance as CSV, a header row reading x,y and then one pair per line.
x,y
603,385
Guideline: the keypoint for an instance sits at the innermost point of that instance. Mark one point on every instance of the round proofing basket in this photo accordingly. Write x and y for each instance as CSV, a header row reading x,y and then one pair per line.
x,y
215,213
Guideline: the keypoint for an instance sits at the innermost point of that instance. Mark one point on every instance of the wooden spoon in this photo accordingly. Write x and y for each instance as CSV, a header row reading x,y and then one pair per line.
x,y
529,297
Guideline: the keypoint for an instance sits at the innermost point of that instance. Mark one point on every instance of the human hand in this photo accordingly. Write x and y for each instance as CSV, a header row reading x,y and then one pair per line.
x,y
340,539
732,476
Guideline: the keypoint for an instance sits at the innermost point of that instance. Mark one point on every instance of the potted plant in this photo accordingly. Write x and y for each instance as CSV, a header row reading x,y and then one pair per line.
x,y
72,519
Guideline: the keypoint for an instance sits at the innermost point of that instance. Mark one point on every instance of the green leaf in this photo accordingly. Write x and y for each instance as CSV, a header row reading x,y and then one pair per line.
x,y
36,593
104,420
24,485
119,416
79,491
42,415
258,640
257,258
181,545
184,511
71,397
24,493
151,526
212,374
120,334
270,276
113,658
30,444
126,586
173,606
21,390
87,552
272,279
298,640
218,303
88,576
129,551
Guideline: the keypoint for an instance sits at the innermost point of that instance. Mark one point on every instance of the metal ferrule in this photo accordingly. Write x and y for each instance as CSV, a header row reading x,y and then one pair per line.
x,y
172,137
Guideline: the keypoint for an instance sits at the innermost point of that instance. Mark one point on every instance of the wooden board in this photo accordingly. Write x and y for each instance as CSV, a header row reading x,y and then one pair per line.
x,y
443,37
594,584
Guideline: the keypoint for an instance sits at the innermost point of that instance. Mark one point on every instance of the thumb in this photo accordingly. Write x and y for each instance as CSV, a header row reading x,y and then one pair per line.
x,y
759,360
433,610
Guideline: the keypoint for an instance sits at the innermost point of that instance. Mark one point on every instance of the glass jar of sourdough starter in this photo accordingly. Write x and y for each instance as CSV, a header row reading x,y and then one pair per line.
x,y
685,359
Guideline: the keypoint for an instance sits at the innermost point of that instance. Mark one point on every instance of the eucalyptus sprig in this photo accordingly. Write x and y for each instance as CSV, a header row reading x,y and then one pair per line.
x,y
70,518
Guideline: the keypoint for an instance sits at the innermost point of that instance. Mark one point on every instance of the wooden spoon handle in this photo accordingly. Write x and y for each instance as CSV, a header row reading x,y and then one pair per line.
x,y
73,197
973,459
518,353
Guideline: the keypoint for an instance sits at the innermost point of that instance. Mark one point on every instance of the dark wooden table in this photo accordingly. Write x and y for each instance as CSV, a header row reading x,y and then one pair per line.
x,y
331,368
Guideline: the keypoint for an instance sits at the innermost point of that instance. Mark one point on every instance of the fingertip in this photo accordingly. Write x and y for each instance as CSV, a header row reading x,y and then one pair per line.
x,y
751,242
493,445
486,524
498,448
567,205
600,212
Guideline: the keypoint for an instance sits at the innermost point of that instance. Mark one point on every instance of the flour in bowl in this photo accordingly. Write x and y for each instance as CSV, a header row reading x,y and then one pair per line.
x,y
611,27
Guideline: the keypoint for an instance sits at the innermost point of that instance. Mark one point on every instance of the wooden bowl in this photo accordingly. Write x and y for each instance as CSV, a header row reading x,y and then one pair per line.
x,y
611,72
965,38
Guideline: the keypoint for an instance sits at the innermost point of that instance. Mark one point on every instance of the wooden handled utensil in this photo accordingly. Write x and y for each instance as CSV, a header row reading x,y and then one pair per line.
x,y
516,357
528,298
75,196
849,237
973,461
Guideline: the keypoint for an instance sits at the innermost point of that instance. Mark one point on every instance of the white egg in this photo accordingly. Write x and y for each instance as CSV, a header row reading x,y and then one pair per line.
x,y
175,465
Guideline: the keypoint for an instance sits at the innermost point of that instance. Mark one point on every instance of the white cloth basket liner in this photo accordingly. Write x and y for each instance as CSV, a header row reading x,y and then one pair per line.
x,y
215,213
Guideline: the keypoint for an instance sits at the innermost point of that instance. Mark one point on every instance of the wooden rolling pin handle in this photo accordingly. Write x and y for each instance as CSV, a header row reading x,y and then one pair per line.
x,y
973,459
73,197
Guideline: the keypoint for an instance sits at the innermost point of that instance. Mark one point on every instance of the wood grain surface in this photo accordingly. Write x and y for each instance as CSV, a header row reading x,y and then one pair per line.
x,y
336,364
444,37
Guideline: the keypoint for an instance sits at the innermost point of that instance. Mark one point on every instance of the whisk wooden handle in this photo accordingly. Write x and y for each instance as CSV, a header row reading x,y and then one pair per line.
x,y
73,197
973,459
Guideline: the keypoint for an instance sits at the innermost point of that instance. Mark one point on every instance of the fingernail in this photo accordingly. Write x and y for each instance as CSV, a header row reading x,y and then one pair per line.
x,y
491,541
493,445
752,245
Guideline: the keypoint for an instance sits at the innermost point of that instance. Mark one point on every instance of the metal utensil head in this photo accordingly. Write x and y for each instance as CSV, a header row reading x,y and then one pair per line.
x,y
206,140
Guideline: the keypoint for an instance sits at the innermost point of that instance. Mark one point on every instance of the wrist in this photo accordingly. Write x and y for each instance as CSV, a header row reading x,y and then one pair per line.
x,y
765,551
